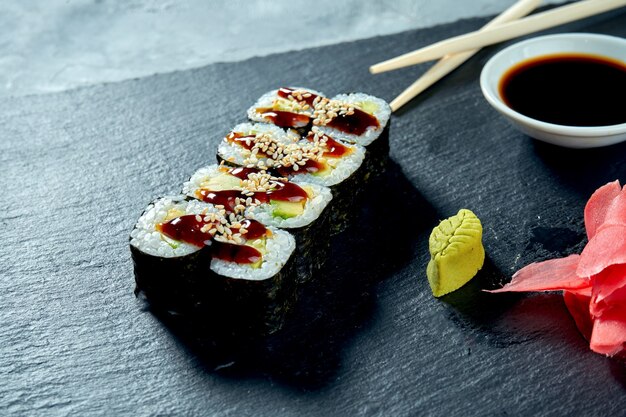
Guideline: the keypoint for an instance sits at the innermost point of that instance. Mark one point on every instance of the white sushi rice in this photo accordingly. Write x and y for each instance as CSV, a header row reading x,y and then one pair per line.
x,y
278,249
148,239
267,101
263,213
312,210
382,113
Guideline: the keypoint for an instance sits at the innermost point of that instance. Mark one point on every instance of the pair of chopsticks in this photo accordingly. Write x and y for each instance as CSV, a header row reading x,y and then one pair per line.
x,y
506,26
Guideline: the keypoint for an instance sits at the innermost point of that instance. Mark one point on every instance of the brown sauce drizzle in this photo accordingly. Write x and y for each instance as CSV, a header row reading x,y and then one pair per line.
x,y
334,149
242,172
286,92
241,139
309,167
354,124
239,254
255,229
283,191
185,229
188,229
225,198
284,118
280,191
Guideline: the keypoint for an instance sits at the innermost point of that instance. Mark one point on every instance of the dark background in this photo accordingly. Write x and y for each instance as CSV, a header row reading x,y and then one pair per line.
x,y
367,338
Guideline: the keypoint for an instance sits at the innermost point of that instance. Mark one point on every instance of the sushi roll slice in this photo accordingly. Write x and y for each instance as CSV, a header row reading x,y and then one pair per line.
x,y
273,201
170,273
194,258
354,118
362,119
314,159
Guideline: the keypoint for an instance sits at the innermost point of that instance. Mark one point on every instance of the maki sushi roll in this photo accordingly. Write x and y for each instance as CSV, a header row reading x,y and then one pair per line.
x,y
171,273
273,201
230,251
194,258
313,159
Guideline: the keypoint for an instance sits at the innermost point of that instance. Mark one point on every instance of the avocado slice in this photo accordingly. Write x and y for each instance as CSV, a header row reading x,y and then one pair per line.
x,y
368,106
173,213
286,209
326,169
222,182
173,243
258,244
282,104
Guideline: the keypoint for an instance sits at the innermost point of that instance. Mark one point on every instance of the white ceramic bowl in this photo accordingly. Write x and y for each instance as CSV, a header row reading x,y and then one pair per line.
x,y
568,136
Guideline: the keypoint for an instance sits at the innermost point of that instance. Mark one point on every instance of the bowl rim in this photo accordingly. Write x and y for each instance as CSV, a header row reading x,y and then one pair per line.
x,y
493,97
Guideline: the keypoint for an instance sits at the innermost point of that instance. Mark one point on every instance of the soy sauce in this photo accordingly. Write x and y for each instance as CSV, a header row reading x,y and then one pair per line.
x,y
568,89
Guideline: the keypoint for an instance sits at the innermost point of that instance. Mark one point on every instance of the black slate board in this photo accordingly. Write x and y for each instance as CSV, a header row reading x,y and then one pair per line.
x,y
79,167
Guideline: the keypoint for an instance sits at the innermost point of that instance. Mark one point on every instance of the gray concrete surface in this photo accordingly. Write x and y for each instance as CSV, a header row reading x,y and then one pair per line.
x,y
54,45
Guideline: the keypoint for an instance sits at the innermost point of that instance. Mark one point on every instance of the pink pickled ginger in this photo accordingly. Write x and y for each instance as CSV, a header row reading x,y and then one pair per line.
x,y
594,282
598,205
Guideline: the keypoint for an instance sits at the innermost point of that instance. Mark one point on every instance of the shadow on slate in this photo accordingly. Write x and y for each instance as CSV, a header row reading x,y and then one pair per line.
x,y
339,302
478,312
618,369
583,169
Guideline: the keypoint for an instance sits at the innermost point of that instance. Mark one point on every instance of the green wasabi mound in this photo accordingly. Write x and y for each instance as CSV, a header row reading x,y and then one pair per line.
x,y
456,252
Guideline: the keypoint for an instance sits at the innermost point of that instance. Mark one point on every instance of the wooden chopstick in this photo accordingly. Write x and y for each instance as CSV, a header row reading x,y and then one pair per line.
x,y
503,32
448,63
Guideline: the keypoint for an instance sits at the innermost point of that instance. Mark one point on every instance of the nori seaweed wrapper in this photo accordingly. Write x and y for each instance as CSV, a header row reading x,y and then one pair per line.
x,y
377,155
181,284
312,246
253,307
186,286
348,195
